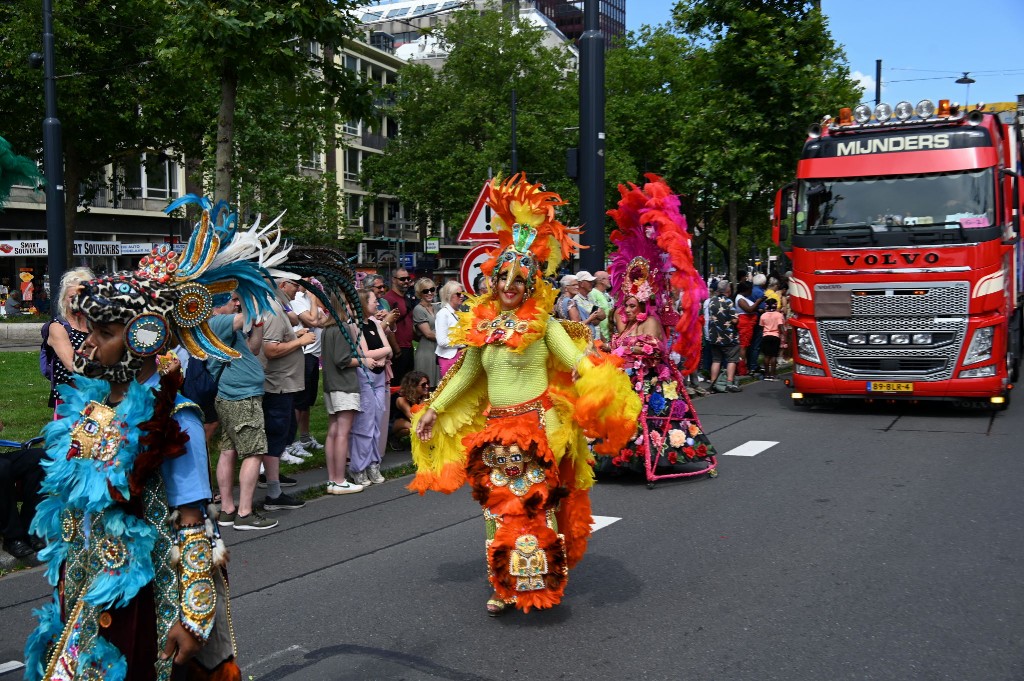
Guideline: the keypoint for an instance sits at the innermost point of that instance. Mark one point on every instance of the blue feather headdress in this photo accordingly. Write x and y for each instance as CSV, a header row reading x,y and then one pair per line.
x,y
220,257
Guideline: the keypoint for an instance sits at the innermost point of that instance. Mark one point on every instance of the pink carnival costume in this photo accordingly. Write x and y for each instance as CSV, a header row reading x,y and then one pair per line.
x,y
653,256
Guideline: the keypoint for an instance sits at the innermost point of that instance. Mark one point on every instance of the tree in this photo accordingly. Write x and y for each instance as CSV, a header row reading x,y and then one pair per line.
x,y
455,123
115,101
280,164
769,68
238,43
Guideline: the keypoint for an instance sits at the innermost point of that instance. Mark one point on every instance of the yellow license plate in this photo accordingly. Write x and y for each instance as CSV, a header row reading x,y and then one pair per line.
x,y
890,387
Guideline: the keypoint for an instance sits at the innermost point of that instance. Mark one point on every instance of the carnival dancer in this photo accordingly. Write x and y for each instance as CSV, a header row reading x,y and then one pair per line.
x,y
135,559
510,421
653,257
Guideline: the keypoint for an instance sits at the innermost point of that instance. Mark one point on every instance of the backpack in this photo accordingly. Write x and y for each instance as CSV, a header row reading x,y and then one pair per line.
x,y
47,356
200,386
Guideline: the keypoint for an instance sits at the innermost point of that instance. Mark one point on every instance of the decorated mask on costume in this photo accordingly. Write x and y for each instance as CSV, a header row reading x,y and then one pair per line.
x,y
141,305
517,259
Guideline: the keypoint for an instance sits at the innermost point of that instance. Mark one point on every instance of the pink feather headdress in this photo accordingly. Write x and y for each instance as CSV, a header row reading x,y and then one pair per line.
x,y
651,230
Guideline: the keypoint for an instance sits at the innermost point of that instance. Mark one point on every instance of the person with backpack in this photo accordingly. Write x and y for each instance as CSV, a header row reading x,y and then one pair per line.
x,y
63,335
238,389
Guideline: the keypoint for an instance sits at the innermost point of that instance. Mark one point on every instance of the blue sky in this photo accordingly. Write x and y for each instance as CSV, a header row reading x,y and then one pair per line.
x,y
924,46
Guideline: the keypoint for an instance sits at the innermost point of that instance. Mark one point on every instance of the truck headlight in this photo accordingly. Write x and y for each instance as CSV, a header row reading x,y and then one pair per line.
x,y
856,339
878,339
809,371
980,348
900,339
922,339
980,372
805,346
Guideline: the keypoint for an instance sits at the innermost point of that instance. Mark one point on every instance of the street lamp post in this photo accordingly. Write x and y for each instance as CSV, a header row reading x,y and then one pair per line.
x,y
966,80
591,157
53,164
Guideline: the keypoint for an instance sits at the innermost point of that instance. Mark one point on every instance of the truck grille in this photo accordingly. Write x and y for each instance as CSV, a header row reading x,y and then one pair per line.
x,y
889,300
940,311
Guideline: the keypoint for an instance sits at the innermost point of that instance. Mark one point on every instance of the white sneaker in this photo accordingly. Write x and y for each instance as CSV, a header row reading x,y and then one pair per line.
x,y
296,449
290,458
373,472
360,479
310,443
343,487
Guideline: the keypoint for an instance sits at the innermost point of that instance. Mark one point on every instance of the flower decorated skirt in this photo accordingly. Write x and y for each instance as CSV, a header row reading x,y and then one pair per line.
x,y
669,433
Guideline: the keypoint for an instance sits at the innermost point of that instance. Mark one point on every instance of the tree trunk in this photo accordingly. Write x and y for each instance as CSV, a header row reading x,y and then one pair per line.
x,y
225,133
734,240
73,176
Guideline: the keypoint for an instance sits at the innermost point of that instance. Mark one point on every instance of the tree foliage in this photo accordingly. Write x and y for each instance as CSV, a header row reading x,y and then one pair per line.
x,y
767,69
236,44
115,100
455,122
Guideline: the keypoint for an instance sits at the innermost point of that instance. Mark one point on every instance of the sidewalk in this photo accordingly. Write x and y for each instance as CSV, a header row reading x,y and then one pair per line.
x,y
20,337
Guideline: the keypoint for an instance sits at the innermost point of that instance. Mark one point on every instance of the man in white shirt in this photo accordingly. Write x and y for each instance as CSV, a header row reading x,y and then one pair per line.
x,y
590,313
312,317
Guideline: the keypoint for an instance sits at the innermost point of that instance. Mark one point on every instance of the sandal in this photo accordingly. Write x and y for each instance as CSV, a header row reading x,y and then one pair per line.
x,y
495,607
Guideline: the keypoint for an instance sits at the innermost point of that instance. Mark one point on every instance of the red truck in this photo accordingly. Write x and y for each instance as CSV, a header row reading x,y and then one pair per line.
x,y
903,233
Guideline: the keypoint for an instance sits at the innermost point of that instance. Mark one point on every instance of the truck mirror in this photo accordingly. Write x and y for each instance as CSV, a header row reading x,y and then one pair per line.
x,y
781,213
1016,207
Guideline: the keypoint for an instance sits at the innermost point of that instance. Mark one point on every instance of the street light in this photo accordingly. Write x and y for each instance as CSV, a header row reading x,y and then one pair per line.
x,y
966,80
53,163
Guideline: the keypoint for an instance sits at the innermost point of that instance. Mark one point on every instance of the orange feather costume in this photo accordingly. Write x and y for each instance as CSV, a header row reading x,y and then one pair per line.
x,y
510,420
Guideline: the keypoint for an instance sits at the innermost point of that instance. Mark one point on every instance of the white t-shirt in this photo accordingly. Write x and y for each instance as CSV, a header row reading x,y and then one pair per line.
x,y
301,304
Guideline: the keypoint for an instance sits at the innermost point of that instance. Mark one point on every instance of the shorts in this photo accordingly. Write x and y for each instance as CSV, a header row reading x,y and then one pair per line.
x,y
338,402
306,398
278,412
725,354
770,346
241,423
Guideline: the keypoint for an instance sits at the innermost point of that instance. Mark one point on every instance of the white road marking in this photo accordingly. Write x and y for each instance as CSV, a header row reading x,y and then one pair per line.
x,y
10,666
751,448
602,521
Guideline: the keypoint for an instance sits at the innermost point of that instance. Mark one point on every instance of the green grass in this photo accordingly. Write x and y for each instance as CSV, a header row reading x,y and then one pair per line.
x,y
23,399
26,319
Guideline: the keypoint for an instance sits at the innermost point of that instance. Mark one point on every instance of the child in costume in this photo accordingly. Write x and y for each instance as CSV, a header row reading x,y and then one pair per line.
x,y
653,257
508,418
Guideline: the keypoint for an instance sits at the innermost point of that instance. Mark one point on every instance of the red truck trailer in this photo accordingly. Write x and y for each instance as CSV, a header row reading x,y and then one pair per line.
x,y
903,230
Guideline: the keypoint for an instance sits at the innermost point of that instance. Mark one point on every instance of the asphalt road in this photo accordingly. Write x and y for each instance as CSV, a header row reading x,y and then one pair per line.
x,y
868,543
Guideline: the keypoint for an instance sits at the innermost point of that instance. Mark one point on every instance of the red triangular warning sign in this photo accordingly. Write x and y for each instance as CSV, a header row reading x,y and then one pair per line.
x,y
477,227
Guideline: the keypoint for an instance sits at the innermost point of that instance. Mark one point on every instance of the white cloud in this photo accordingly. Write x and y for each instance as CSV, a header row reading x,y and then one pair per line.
x,y
867,82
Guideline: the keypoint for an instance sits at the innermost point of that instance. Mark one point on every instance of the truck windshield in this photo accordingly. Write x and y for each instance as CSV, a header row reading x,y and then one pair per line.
x,y
902,203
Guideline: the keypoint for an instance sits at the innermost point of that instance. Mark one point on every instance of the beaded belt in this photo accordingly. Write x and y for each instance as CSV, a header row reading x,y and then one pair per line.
x,y
540,405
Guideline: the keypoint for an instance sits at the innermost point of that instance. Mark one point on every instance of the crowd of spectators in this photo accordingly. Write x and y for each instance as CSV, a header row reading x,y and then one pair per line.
x,y
374,375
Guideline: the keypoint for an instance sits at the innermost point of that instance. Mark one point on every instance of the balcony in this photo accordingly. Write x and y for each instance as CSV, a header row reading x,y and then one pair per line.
x,y
373,140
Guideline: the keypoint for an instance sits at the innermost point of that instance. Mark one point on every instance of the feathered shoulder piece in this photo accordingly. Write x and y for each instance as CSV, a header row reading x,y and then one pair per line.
x,y
14,170
653,256
325,273
522,210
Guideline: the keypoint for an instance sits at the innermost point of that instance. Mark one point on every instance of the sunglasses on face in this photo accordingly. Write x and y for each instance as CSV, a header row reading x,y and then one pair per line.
x,y
424,384
379,286
428,290
403,278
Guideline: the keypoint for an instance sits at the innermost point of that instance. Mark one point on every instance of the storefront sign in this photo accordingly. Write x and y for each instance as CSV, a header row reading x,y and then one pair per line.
x,y
23,248
99,248
144,248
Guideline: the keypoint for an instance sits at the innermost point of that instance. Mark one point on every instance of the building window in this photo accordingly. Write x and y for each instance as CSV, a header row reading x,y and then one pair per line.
x,y
352,165
354,203
350,128
312,159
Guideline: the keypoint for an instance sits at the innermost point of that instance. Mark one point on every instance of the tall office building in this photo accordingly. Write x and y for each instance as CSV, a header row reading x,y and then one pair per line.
x,y
568,17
